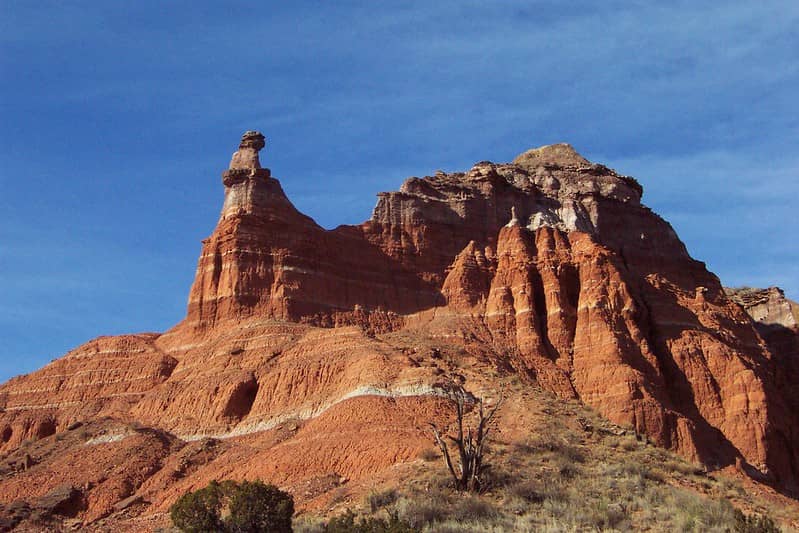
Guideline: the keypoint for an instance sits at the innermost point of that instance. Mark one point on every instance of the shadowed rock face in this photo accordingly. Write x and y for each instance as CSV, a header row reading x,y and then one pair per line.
x,y
549,266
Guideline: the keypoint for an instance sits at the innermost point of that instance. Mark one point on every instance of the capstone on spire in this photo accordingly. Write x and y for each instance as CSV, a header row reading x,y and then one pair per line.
x,y
247,155
245,163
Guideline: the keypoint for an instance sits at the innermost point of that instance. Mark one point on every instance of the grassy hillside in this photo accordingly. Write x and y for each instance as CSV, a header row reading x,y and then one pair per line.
x,y
573,472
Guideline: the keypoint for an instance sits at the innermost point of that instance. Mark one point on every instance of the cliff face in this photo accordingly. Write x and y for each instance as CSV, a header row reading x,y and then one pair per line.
x,y
548,266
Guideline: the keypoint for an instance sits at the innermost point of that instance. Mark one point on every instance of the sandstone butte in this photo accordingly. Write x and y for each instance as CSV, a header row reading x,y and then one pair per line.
x,y
312,356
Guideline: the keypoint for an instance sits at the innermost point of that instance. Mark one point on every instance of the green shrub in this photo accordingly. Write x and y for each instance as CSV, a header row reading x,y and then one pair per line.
x,y
256,506
198,511
252,506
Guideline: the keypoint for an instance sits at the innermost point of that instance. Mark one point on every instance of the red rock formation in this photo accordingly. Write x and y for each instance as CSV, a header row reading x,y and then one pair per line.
x,y
266,259
549,266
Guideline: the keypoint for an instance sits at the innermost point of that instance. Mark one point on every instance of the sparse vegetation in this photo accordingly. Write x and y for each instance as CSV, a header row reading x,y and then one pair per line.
x,y
251,507
575,472
378,500
473,508
420,512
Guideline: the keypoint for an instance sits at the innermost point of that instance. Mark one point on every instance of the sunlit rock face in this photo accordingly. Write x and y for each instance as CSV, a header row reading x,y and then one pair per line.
x,y
768,307
549,267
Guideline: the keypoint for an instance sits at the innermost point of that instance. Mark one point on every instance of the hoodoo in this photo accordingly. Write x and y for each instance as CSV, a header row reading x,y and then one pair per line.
x,y
548,267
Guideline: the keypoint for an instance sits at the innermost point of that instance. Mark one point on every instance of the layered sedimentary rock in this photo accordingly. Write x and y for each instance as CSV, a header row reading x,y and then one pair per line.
x,y
267,259
104,377
549,267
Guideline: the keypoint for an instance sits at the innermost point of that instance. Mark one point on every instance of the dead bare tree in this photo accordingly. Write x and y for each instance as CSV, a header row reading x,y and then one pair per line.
x,y
470,443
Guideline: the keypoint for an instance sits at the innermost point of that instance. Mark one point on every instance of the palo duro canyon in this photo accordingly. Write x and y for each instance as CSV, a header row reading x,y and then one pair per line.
x,y
317,359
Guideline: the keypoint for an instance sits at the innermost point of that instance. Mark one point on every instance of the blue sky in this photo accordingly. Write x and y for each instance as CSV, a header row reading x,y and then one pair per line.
x,y
116,119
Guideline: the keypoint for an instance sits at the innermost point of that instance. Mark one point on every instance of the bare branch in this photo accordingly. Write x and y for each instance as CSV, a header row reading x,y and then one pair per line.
x,y
471,442
443,446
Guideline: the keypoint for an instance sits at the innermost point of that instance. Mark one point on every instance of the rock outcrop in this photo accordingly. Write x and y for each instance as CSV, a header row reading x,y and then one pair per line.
x,y
318,342
768,307
777,320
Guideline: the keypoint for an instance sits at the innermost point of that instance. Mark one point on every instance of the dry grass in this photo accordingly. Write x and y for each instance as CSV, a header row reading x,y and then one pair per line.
x,y
381,499
429,454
